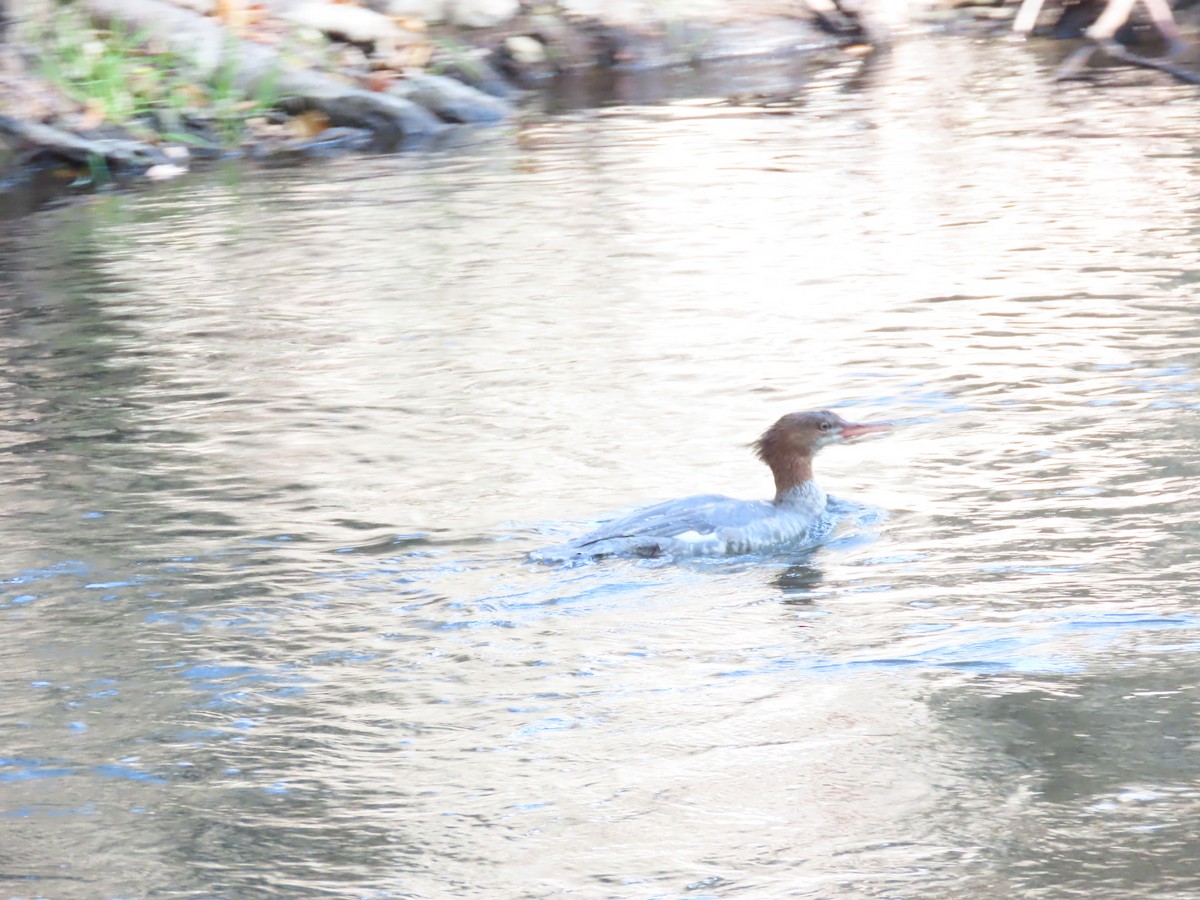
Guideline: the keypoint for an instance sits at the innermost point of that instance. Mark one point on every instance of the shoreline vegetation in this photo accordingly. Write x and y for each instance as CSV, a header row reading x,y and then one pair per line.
x,y
97,90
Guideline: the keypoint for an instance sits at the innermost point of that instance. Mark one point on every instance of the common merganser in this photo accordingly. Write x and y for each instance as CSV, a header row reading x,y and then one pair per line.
x,y
712,525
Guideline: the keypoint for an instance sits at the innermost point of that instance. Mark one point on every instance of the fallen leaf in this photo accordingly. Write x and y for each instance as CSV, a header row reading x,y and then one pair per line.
x,y
410,24
93,114
192,93
237,15
380,80
308,124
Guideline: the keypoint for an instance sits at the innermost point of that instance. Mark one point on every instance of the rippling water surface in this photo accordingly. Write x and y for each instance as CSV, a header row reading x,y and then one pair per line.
x,y
276,443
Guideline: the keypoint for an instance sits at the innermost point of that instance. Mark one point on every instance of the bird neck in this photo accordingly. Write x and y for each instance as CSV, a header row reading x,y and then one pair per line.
x,y
793,477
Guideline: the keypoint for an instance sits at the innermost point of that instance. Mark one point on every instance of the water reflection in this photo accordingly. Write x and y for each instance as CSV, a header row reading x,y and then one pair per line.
x,y
277,447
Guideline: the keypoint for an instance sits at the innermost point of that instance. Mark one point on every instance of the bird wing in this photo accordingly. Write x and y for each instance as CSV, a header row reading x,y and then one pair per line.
x,y
693,517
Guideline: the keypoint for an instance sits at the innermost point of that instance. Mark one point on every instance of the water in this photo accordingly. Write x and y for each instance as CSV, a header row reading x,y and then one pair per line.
x,y
276,444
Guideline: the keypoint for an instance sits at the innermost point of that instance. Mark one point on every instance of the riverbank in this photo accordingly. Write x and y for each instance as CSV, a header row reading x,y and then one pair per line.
x,y
88,103
123,86
276,443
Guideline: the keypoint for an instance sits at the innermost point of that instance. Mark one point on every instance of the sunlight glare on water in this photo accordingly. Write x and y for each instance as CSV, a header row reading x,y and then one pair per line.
x,y
277,444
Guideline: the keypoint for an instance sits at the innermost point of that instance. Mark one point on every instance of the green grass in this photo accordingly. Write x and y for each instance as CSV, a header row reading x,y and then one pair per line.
x,y
144,90
455,54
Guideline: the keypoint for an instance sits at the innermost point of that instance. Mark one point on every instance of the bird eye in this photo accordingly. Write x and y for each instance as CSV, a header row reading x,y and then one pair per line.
x,y
825,426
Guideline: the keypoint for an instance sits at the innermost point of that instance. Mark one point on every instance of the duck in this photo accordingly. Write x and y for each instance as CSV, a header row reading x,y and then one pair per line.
x,y
716,525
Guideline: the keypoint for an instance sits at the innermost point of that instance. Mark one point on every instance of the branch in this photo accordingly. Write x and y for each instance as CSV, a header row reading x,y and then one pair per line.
x,y
1077,60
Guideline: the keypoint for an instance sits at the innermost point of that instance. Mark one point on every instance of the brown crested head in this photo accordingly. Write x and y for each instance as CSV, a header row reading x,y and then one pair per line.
x,y
789,445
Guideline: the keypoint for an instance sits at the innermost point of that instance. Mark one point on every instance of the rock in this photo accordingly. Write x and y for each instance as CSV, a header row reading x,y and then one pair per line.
x,y
281,152
393,118
478,72
354,23
525,50
117,153
451,100
614,12
204,40
482,13
425,10
163,171
995,13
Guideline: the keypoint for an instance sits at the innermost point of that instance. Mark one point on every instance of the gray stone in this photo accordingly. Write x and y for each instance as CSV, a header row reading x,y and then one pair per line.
x,y
355,23
525,50
425,10
482,13
451,100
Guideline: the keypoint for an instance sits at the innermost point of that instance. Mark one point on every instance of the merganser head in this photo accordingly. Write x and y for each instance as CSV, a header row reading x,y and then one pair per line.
x,y
789,445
